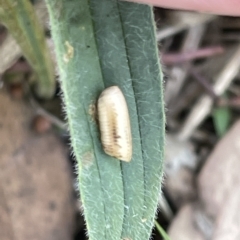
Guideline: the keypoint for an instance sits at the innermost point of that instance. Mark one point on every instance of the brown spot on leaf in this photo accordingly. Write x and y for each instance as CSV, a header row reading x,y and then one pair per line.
x,y
87,159
92,110
69,53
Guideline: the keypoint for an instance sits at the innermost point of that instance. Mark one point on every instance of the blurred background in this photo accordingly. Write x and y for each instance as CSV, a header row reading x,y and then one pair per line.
x,y
200,198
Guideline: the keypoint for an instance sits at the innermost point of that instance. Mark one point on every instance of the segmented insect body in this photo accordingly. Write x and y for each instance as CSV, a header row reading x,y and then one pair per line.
x,y
114,124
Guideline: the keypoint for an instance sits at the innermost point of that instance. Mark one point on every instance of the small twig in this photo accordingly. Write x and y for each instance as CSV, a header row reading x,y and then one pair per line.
x,y
176,58
182,21
204,82
204,105
179,74
39,110
233,102
9,53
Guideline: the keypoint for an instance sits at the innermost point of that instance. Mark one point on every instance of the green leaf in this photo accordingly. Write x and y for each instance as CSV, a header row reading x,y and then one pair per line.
x,y
221,118
100,44
21,21
161,231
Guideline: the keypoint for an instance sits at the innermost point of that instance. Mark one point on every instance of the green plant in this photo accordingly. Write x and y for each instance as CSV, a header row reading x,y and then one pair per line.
x,y
20,20
161,231
100,44
221,118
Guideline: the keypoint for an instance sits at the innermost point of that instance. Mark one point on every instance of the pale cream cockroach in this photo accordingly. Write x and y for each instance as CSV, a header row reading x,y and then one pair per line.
x,y
114,124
